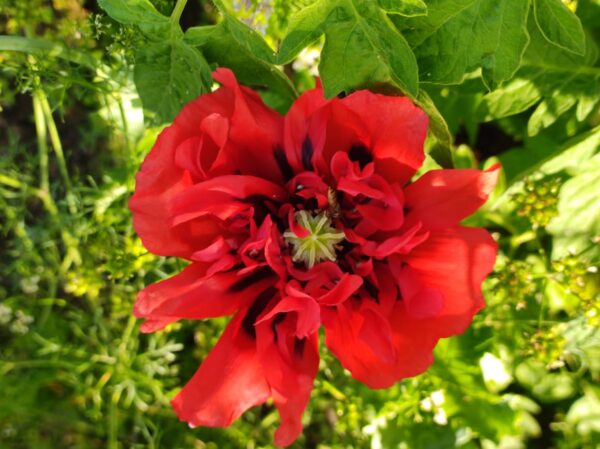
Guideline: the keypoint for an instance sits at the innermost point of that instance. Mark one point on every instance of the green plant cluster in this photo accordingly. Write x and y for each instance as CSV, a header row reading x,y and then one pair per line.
x,y
86,86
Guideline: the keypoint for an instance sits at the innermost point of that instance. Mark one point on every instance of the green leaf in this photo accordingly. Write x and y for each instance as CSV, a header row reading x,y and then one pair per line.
x,y
220,46
43,47
408,8
559,25
168,75
553,79
550,110
545,386
362,47
517,96
543,154
576,229
583,414
441,151
199,36
460,105
458,36
137,12
246,37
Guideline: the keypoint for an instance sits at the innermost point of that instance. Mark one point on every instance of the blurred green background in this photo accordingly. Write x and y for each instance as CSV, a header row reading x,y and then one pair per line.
x,y
76,373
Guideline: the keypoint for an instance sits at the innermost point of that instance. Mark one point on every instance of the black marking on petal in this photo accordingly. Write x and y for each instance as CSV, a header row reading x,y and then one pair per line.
x,y
346,248
371,289
299,344
307,153
244,283
360,154
257,199
263,206
259,305
311,203
237,266
278,319
283,164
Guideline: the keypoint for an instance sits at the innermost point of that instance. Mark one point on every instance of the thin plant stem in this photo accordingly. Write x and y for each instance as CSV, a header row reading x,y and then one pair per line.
x,y
178,10
113,423
40,128
58,150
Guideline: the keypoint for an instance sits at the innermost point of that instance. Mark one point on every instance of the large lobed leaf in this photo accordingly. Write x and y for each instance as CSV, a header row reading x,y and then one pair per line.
x,y
551,78
137,12
559,25
168,75
458,36
220,46
168,72
362,46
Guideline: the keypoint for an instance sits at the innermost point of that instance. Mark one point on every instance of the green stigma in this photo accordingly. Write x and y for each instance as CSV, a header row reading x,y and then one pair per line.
x,y
320,242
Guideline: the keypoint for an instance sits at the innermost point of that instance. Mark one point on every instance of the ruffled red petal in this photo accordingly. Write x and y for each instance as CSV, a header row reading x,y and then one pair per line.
x,y
229,381
287,345
256,132
454,262
394,130
230,129
442,198
378,350
194,295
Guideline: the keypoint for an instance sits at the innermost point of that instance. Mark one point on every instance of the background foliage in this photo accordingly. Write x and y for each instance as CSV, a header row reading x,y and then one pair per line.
x,y
85,87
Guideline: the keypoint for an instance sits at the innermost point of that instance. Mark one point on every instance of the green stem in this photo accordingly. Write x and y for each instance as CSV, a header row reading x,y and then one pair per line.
x,y
58,150
113,423
40,128
125,130
178,10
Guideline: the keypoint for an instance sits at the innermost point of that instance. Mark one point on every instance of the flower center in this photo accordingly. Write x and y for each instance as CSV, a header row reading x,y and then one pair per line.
x,y
319,244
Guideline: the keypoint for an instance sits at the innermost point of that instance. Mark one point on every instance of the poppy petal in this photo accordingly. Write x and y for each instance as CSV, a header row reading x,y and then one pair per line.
x,y
396,131
351,336
421,301
229,381
192,294
304,128
255,130
455,262
223,197
290,365
442,198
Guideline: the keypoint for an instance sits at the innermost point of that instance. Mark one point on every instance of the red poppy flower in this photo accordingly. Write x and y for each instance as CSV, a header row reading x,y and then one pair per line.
x,y
297,222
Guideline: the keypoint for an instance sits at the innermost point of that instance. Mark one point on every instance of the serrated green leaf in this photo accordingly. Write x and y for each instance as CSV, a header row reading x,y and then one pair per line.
x,y
559,25
220,46
307,26
576,229
245,36
555,79
568,158
550,110
168,75
137,12
407,8
362,47
458,36
545,155
517,96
